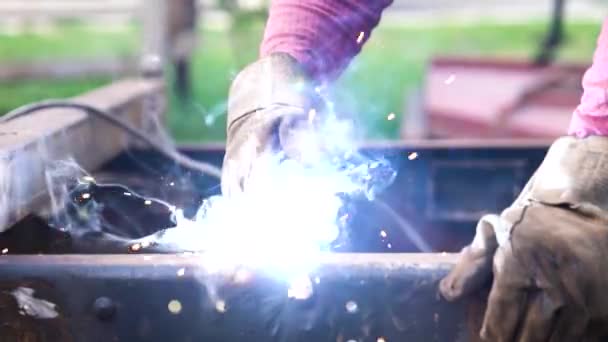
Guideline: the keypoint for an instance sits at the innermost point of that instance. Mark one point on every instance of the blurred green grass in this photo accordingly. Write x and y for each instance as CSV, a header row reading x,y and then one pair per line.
x,y
376,83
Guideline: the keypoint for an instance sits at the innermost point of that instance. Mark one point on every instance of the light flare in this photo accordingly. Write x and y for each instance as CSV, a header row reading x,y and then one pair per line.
x,y
289,212
450,79
174,306
360,37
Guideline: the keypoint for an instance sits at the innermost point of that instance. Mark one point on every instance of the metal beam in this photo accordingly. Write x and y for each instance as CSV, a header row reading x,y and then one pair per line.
x,y
28,144
62,69
353,297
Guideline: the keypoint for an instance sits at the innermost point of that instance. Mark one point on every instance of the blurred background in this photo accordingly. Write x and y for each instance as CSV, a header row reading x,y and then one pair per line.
x,y
423,56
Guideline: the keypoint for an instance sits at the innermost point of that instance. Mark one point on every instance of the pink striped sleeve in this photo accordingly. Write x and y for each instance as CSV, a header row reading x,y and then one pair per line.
x,y
591,116
323,35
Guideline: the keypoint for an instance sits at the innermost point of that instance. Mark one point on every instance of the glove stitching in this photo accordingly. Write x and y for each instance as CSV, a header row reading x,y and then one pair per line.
x,y
512,230
277,105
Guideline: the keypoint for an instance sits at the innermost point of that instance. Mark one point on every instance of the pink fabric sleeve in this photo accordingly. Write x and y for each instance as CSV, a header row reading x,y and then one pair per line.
x,y
323,35
591,115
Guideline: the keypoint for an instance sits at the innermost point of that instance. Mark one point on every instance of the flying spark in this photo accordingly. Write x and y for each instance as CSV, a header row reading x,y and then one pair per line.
x,y
412,156
383,233
300,288
148,202
391,117
360,37
269,224
351,306
5,250
181,272
174,306
220,306
450,79
86,195
242,276
312,114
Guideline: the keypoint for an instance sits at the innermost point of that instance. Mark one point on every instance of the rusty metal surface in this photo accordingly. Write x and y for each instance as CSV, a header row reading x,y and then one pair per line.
x,y
28,144
359,297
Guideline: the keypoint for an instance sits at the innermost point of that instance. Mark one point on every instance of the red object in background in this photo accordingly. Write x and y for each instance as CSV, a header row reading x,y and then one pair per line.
x,y
471,98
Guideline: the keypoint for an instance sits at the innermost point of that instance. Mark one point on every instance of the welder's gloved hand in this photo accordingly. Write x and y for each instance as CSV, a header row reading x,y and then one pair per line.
x,y
271,108
548,252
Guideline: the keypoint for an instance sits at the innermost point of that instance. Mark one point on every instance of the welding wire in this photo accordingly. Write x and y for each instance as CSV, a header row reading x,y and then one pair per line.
x,y
168,152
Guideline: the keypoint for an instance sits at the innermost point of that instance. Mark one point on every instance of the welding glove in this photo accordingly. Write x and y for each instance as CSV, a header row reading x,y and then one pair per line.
x,y
271,110
548,252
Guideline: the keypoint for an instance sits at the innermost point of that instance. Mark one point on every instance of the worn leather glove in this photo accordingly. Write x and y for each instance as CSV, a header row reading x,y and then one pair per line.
x,y
271,109
549,252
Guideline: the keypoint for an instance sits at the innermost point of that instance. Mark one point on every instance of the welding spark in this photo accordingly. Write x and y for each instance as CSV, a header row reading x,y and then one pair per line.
x,y
135,247
5,250
391,117
383,233
312,113
147,202
126,193
242,276
86,195
300,288
351,307
412,156
181,272
220,306
288,214
450,79
174,306
360,37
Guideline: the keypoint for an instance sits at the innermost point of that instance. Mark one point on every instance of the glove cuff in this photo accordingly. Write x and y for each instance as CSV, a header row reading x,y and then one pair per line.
x,y
276,80
574,172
